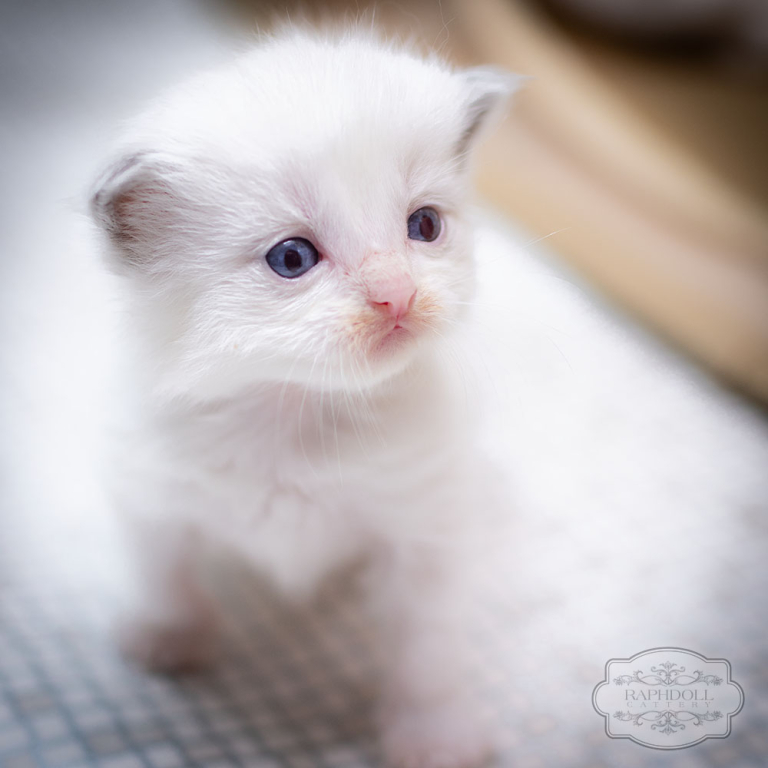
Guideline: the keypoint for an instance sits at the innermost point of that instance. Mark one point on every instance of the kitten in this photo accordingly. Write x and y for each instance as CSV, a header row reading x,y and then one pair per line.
x,y
292,235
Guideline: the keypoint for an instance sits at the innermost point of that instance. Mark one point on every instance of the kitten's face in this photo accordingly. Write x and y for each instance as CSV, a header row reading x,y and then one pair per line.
x,y
298,217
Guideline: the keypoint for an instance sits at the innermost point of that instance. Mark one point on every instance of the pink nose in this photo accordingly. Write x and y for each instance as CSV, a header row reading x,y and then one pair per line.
x,y
395,296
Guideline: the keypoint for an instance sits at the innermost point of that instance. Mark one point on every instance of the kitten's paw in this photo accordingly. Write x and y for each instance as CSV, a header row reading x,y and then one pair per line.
x,y
447,735
169,647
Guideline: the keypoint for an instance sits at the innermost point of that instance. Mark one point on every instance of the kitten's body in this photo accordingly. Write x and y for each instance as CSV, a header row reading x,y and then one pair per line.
x,y
308,421
249,469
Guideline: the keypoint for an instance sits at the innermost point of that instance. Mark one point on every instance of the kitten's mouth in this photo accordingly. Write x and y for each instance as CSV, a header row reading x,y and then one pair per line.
x,y
394,338
387,340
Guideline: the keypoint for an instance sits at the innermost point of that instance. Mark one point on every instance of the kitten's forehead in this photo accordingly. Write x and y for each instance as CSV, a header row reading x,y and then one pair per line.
x,y
323,87
304,95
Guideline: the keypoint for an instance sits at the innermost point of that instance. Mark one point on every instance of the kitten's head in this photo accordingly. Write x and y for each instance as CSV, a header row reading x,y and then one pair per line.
x,y
299,215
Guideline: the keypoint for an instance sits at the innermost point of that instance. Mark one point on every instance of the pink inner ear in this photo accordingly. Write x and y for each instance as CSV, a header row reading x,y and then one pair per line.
x,y
135,201
140,211
125,206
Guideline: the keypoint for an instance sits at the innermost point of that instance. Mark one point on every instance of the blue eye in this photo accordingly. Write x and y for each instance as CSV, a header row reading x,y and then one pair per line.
x,y
424,224
292,258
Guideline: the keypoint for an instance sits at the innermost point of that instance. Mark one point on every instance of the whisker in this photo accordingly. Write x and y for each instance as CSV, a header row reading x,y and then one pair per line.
x,y
301,415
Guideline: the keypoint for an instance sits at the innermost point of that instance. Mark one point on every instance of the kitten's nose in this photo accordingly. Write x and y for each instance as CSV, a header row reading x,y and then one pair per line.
x,y
394,295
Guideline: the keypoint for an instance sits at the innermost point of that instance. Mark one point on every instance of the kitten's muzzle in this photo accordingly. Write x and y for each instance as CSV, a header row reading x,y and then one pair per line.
x,y
390,285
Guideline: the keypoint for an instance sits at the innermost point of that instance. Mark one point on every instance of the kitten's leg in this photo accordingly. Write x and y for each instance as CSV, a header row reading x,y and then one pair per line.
x,y
172,627
429,715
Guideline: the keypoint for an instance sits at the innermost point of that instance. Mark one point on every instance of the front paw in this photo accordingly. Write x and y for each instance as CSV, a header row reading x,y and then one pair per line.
x,y
168,646
449,734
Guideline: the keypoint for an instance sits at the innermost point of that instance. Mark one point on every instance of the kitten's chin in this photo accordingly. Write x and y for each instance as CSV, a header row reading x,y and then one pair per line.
x,y
392,342
391,353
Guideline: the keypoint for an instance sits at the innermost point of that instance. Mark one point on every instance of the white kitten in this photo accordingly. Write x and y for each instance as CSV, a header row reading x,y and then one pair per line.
x,y
292,235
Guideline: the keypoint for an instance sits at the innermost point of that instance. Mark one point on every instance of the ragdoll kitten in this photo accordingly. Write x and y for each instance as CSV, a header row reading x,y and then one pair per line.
x,y
291,233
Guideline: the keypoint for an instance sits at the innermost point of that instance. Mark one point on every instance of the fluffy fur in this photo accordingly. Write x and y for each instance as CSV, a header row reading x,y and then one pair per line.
x,y
288,418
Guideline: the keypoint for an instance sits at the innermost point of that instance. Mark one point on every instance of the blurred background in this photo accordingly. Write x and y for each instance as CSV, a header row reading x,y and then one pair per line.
x,y
644,134
623,217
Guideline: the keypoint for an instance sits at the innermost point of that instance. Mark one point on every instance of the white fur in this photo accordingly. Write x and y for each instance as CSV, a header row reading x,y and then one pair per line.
x,y
270,414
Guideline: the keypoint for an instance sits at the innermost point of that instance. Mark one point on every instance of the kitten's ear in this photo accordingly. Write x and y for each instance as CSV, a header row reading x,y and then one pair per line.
x,y
488,89
134,202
